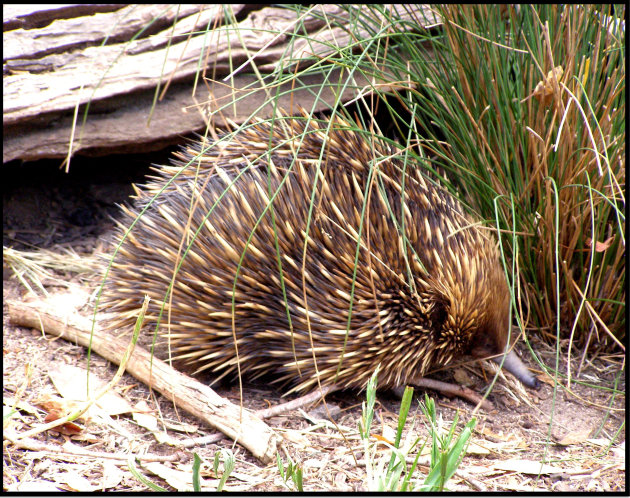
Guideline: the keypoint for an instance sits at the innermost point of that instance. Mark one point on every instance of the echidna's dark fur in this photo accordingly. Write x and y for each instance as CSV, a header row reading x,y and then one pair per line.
x,y
429,286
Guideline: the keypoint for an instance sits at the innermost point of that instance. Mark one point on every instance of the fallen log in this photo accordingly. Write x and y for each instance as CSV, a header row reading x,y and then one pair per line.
x,y
106,79
236,422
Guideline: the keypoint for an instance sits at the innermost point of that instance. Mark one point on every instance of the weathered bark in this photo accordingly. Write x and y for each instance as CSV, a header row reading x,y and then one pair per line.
x,y
113,61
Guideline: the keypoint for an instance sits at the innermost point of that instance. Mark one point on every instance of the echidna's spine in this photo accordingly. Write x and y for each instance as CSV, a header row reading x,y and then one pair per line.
x,y
383,265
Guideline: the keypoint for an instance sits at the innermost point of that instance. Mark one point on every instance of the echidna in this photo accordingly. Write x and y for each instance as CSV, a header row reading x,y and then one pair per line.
x,y
319,251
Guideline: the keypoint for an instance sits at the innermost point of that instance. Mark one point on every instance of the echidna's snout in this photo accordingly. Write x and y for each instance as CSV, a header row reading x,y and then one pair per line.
x,y
515,366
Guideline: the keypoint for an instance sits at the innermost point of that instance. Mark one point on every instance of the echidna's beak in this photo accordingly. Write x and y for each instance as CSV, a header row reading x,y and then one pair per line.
x,y
515,366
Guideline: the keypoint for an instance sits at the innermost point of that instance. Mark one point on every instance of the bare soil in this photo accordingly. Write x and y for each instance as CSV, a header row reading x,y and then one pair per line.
x,y
580,434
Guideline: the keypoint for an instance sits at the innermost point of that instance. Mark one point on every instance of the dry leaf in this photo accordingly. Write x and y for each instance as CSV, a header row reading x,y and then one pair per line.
x,y
600,246
531,467
75,482
574,437
314,463
71,383
296,437
56,408
21,406
67,428
34,487
180,480
475,449
546,378
112,476
54,404
486,431
146,420
181,427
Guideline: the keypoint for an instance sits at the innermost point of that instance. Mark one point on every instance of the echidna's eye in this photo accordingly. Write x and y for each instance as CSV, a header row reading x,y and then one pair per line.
x,y
438,315
483,345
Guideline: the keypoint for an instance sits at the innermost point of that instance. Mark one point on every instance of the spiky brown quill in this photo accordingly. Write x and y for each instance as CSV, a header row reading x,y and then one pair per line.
x,y
429,287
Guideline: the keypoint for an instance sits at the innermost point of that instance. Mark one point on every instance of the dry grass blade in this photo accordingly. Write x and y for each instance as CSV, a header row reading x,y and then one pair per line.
x,y
32,267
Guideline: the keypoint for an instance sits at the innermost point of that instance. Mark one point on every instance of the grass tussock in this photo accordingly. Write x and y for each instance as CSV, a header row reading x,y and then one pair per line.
x,y
542,94
521,112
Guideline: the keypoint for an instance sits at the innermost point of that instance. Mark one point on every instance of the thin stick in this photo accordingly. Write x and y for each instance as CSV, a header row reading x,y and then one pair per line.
x,y
192,396
296,403
454,390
